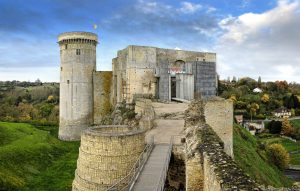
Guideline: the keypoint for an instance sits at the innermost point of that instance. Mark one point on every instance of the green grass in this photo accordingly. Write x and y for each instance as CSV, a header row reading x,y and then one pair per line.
x,y
295,159
32,158
251,157
295,123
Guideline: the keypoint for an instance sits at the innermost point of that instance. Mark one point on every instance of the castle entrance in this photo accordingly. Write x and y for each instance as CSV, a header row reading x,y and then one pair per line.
x,y
173,87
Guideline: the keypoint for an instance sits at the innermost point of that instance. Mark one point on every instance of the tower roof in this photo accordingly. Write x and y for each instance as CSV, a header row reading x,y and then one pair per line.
x,y
78,35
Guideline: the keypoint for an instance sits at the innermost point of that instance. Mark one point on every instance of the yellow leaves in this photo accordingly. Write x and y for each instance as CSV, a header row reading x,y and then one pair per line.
x,y
233,98
50,98
286,127
265,98
278,155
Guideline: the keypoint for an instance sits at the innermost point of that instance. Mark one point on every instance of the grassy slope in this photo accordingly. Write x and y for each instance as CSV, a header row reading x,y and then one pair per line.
x,y
34,159
287,144
253,160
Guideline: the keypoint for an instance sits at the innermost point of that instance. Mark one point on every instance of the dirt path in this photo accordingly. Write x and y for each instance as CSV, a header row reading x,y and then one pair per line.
x,y
169,122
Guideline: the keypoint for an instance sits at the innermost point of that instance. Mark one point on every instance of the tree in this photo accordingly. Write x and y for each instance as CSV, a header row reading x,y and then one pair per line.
x,y
233,98
286,127
259,82
233,79
278,156
275,127
293,113
253,107
265,98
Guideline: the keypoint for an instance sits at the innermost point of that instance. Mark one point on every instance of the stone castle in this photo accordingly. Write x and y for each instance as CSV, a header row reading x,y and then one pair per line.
x,y
175,146
138,71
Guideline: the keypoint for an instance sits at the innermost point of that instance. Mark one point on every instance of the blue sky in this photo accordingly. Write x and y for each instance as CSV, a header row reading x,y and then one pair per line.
x,y
251,37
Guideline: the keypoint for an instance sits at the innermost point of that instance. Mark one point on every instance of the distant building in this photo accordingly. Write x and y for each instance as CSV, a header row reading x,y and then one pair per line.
x,y
254,127
282,112
239,119
257,90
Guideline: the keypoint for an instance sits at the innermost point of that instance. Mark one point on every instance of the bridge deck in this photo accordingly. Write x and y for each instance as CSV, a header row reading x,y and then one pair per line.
x,y
150,176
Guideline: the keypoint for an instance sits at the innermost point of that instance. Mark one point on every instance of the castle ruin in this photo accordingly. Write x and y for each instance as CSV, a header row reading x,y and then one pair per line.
x,y
122,157
138,71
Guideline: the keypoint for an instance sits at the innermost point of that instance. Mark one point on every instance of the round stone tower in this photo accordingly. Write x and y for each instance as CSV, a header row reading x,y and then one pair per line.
x,y
106,156
77,64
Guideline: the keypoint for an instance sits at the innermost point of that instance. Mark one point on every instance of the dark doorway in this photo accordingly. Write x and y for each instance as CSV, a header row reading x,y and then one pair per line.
x,y
173,87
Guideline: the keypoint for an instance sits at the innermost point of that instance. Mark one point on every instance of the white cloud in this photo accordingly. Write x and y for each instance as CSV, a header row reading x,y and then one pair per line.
x,y
188,7
262,44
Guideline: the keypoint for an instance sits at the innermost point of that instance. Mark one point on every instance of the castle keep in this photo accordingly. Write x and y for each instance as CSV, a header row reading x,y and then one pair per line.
x,y
137,71
137,157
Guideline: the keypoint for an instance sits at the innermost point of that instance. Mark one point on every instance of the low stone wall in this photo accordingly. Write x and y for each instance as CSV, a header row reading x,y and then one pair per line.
x,y
144,108
106,155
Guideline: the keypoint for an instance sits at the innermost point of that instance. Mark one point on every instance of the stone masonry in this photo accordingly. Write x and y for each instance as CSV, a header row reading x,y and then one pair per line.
x,y
106,155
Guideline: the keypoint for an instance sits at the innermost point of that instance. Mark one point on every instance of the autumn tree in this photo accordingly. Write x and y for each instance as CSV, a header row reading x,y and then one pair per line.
x,y
278,155
265,98
286,127
253,107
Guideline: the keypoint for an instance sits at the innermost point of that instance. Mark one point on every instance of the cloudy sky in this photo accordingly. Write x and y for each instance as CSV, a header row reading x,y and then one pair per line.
x,y
251,37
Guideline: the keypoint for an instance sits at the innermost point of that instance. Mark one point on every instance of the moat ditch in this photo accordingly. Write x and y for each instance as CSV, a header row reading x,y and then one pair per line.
x,y
176,178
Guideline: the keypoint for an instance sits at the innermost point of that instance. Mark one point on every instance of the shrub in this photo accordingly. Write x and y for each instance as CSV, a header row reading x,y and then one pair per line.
x,y
275,127
278,155
286,127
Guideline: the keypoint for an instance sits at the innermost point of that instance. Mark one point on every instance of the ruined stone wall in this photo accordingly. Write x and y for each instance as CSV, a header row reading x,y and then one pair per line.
x,y
208,167
102,95
219,115
106,155
144,108
77,65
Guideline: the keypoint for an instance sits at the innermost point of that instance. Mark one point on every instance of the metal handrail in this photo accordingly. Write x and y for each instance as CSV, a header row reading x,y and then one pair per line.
x,y
163,176
127,182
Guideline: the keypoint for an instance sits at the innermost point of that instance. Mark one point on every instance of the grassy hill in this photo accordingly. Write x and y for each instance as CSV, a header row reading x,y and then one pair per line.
x,y
32,158
250,155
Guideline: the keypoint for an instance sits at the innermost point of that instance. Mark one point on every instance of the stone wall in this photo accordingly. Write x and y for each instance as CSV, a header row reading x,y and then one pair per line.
x,y
144,109
208,167
102,95
106,155
140,70
219,115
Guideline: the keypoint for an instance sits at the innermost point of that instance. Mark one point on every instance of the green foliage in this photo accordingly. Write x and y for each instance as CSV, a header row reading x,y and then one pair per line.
x,y
32,103
32,158
274,127
252,158
278,155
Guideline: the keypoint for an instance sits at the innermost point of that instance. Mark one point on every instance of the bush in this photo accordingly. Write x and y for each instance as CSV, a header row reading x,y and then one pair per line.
x,y
274,127
278,156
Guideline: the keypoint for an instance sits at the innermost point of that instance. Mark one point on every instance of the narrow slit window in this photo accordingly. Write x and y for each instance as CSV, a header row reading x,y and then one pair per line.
x,y
60,68
77,51
66,46
68,81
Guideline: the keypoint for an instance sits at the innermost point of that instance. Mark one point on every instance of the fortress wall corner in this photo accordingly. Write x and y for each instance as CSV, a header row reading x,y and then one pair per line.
x,y
219,115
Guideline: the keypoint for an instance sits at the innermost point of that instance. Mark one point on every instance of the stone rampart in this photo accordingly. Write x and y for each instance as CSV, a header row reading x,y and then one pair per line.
x,y
218,114
106,155
208,166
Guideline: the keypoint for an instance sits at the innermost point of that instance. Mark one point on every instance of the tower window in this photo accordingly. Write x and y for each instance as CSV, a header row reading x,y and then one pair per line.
x,y
68,81
66,46
77,51
60,68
